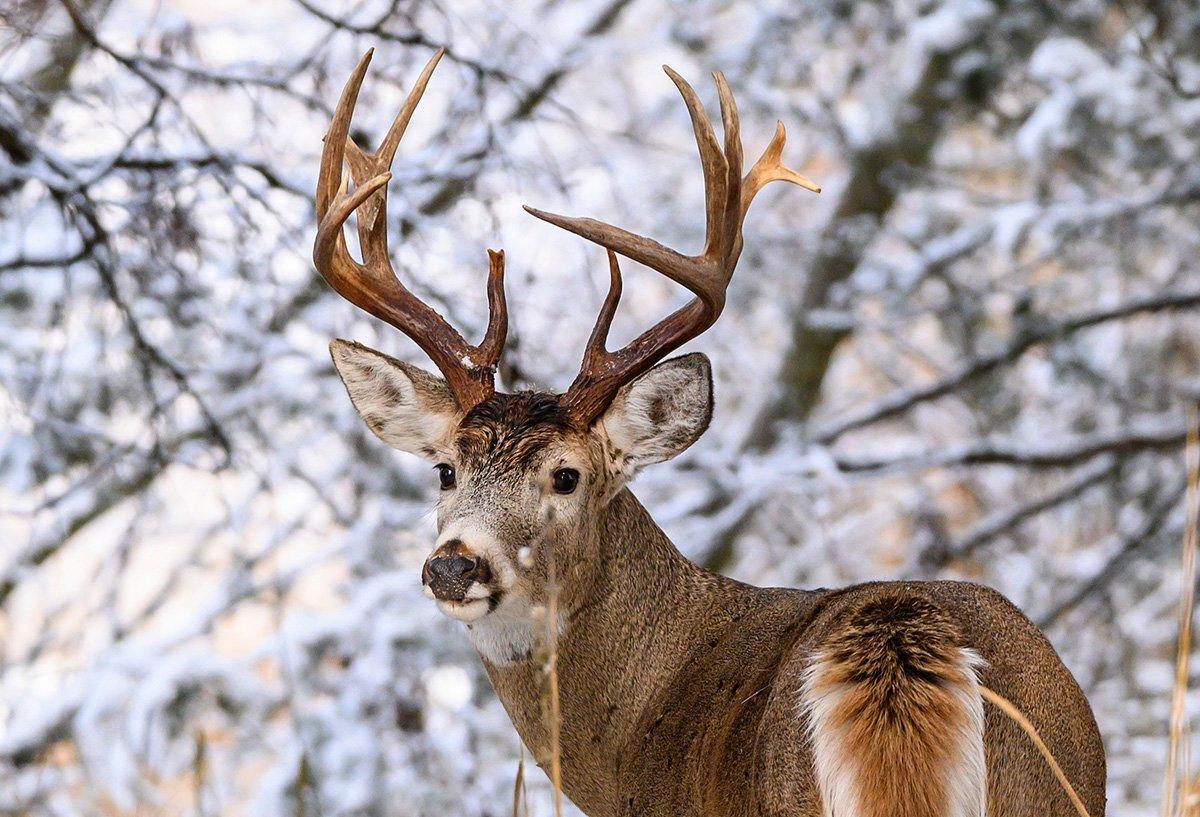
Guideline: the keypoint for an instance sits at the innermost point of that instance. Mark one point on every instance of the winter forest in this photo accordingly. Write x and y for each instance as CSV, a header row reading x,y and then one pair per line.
x,y
971,356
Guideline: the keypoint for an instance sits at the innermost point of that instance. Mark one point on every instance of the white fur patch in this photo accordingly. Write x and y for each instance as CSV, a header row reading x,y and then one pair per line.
x,y
967,787
477,591
837,773
468,610
508,635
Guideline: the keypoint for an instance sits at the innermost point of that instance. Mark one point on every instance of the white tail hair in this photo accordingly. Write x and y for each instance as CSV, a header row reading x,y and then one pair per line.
x,y
897,731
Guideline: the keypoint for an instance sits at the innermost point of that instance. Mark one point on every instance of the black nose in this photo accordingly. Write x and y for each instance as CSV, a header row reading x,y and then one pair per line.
x,y
451,568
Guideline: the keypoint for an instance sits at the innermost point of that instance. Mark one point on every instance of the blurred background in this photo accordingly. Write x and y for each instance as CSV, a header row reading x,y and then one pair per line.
x,y
970,357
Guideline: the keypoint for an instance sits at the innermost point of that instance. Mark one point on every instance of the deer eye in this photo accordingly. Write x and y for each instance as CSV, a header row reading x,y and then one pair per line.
x,y
445,475
565,480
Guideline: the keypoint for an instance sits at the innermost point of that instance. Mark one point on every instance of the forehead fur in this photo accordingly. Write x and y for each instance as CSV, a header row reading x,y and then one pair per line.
x,y
512,428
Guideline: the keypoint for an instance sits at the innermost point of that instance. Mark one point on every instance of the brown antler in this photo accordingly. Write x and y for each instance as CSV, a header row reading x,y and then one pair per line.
x,y
727,197
373,285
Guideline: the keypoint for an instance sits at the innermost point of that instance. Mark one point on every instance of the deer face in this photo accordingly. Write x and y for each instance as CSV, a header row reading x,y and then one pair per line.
x,y
521,482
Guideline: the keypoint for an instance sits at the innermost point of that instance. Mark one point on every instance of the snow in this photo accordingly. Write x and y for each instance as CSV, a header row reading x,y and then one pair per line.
x,y
167,606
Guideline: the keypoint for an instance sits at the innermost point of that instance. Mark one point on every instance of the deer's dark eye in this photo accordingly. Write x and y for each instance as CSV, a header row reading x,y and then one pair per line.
x,y
565,480
445,475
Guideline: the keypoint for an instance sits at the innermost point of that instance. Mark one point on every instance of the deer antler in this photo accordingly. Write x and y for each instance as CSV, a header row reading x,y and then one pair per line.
x,y
373,285
727,197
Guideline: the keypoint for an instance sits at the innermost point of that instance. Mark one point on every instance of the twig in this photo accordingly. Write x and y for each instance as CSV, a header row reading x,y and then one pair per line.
x,y
1000,523
417,38
1132,439
1151,525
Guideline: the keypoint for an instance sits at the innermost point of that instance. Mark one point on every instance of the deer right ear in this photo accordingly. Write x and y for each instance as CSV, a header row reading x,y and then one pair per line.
x,y
659,414
407,407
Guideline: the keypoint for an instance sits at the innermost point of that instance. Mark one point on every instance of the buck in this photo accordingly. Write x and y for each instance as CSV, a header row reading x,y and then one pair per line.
x,y
681,691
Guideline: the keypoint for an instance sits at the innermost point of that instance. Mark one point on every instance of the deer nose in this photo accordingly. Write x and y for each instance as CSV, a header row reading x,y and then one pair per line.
x,y
452,569
449,568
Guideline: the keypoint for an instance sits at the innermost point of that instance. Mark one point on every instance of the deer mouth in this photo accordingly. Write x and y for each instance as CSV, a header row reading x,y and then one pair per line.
x,y
471,604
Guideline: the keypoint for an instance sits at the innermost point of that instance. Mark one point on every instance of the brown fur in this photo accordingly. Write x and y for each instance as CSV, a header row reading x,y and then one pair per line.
x,y
510,430
680,688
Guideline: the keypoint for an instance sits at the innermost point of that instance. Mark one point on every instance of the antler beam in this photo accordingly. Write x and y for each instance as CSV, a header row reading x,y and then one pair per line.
x,y
373,285
727,197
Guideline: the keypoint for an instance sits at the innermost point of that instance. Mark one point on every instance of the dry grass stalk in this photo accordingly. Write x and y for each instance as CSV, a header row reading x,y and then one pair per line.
x,y
1179,789
1006,706
1189,801
199,770
550,666
548,656
520,803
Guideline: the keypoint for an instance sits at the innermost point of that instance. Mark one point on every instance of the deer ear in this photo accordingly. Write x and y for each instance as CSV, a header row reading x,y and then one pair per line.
x,y
408,408
660,414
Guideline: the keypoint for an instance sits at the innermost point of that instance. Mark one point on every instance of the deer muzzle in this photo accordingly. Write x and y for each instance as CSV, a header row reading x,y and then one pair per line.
x,y
455,574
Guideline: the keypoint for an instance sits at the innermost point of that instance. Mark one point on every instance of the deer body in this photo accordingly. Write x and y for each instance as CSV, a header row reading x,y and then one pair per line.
x,y
681,691
695,708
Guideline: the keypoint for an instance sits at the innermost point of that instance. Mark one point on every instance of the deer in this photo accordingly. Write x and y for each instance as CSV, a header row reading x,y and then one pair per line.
x,y
681,691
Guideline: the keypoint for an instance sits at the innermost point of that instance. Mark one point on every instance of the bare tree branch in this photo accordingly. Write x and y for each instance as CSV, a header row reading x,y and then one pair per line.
x,y
1144,436
988,530
904,399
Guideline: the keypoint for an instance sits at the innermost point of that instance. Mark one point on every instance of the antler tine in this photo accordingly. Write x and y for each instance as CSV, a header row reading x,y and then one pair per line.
x,y
727,197
595,351
713,162
731,222
329,177
635,247
373,217
373,285
492,346
769,168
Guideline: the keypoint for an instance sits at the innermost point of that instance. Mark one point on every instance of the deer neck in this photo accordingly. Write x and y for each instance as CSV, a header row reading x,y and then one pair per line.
x,y
623,642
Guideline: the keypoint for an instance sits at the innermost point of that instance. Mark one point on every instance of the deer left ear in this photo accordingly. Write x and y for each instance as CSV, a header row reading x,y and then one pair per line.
x,y
407,407
660,414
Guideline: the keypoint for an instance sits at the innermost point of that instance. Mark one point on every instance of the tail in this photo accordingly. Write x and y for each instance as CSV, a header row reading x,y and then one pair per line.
x,y
895,713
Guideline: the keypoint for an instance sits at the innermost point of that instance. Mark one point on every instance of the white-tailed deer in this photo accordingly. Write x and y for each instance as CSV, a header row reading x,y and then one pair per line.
x,y
682,692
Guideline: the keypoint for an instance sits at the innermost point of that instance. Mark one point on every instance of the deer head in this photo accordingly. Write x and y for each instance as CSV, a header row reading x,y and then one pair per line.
x,y
510,463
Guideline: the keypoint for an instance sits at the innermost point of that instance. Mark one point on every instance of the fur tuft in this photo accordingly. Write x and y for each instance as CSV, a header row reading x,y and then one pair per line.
x,y
895,714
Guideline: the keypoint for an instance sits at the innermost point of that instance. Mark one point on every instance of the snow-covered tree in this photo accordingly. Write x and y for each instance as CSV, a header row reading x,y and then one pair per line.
x,y
970,357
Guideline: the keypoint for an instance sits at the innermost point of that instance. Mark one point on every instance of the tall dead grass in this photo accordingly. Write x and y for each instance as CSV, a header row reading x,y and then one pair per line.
x,y
547,656
1181,788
